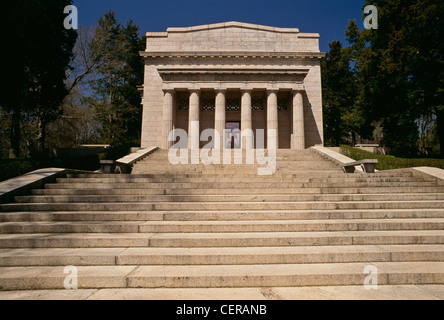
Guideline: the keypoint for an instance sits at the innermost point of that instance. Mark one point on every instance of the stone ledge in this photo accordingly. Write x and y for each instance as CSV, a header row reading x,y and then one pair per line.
x,y
398,292
436,173
233,70
126,163
335,156
136,156
32,180
231,54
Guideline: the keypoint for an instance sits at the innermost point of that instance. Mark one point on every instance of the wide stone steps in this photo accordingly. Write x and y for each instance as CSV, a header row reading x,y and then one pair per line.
x,y
341,175
160,156
203,206
222,276
300,172
220,215
197,180
312,165
219,256
243,239
230,169
235,185
229,191
279,198
220,226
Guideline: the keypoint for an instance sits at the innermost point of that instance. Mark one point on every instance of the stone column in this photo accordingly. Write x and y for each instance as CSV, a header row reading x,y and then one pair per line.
x,y
298,136
272,117
194,121
246,119
220,117
168,113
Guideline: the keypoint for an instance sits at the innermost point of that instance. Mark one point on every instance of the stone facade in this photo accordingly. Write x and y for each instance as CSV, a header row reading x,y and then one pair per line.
x,y
262,77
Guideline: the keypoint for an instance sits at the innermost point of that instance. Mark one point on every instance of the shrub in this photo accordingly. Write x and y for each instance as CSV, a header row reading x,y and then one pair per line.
x,y
114,153
390,162
10,168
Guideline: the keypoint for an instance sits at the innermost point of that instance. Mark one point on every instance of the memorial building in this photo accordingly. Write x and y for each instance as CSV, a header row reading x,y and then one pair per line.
x,y
230,76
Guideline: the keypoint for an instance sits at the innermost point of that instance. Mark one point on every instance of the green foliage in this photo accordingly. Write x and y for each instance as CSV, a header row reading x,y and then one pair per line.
x,y
114,153
116,101
10,168
390,162
398,76
34,64
404,68
341,114
66,96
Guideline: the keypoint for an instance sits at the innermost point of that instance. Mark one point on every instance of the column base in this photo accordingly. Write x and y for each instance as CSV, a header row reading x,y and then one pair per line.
x,y
297,143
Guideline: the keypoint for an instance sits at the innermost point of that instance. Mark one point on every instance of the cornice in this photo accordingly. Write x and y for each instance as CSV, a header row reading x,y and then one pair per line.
x,y
236,55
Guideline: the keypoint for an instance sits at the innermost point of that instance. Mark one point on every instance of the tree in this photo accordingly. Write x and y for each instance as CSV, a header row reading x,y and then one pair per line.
x,y
342,116
34,63
116,101
76,125
397,73
83,64
403,69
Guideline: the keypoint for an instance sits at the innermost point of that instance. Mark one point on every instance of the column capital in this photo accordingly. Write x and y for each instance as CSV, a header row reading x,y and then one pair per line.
x,y
220,90
296,91
250,91
171,91
196,91
270,91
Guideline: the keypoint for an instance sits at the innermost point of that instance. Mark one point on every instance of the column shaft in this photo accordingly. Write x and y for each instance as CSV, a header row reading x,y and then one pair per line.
x,y
220,118
298,136
194,121
168,123
272,119
246,120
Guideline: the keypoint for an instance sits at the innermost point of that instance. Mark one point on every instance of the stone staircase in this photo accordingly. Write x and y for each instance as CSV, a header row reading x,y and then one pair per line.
x,y
223,226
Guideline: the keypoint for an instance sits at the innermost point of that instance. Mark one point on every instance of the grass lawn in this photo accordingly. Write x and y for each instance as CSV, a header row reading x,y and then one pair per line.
x,y
390,162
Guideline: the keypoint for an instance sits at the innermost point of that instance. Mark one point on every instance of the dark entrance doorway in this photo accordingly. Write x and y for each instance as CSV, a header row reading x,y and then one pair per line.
x,y
233,135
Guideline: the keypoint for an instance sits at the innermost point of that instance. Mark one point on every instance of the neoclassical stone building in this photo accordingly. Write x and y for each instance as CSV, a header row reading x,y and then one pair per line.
x,y
233,76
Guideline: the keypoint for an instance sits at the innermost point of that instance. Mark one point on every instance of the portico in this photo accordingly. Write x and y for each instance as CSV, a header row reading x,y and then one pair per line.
x,y
276,90
212,113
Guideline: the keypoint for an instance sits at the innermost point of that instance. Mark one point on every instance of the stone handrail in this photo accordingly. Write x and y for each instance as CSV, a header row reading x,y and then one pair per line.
x,y
33,180
126,163
335,156
431,172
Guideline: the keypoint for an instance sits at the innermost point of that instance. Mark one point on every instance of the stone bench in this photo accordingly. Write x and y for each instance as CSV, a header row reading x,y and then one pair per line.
x,y
107,166
367,165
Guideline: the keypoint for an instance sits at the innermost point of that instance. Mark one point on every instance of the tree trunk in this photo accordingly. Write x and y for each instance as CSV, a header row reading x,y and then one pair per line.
x,y
440,123
353,134
42,136
15,133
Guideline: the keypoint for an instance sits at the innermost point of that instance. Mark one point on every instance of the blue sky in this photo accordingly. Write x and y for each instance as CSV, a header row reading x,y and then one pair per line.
x,y
327,17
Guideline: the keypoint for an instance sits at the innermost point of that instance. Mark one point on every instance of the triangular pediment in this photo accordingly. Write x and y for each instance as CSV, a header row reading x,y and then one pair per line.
x,y
232,37
233,25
